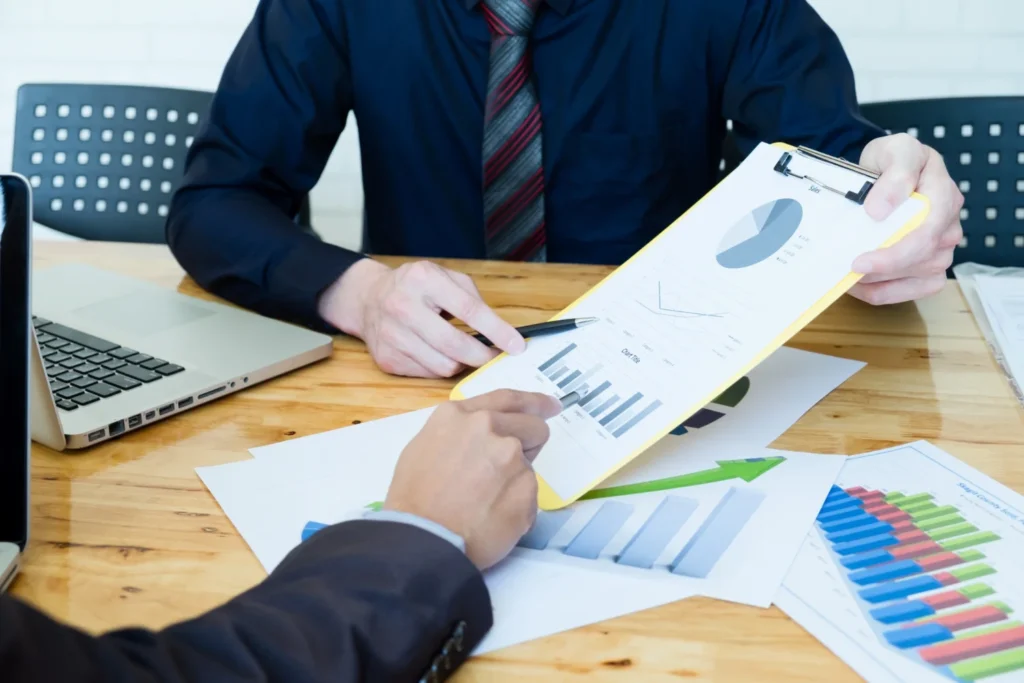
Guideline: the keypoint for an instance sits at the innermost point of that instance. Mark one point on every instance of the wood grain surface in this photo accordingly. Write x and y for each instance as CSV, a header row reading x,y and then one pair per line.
x,y
126,534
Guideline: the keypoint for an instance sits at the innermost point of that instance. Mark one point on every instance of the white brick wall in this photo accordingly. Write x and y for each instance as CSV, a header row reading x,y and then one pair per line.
x,y
899,49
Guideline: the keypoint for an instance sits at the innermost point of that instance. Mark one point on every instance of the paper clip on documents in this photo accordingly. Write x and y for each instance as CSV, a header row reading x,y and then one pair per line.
x,y
857,197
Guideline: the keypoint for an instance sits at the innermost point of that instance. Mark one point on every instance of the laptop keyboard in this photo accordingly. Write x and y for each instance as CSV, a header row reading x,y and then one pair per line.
x,y
84,369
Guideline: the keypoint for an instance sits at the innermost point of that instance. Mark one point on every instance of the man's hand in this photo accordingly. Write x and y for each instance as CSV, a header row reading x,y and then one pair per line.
x,y
914,267
469,470
399,314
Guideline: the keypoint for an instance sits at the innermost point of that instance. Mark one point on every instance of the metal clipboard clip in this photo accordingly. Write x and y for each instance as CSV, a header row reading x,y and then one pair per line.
x,y
857,197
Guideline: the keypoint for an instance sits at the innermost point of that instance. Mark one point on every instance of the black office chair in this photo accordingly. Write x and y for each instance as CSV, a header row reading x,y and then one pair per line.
x,y
104,160
981,140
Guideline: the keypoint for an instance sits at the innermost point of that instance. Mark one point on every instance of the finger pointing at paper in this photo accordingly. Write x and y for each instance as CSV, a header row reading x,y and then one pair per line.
x,y
914,267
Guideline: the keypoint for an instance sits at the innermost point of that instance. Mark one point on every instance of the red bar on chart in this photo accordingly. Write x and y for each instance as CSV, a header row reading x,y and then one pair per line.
x,y
891,517
880,508
912,550
967,648
913,536
945,578
939,561
869,497
902,526
856,490
979,616
945,600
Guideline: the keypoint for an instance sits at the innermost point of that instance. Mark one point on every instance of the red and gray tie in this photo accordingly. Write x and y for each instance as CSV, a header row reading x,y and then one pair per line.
x,y
513,164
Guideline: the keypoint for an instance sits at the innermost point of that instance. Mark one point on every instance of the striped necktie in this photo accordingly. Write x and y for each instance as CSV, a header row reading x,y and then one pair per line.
x,y
513,173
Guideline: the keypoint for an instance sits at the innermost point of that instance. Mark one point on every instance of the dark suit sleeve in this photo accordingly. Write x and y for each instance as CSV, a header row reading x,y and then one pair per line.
x,y
281,104
789,80
360,601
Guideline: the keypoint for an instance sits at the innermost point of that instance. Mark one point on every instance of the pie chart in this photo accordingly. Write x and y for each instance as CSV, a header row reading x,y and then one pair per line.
x,y
759,234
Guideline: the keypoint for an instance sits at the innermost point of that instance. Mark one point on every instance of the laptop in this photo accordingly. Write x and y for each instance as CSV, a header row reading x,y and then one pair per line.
x,y
15,341
114,354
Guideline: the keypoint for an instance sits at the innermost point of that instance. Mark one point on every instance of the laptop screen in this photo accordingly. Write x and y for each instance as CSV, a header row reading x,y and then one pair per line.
x,y
15,316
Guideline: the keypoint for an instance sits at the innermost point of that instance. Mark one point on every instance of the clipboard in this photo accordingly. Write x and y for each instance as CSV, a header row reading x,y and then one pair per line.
x,y
816,168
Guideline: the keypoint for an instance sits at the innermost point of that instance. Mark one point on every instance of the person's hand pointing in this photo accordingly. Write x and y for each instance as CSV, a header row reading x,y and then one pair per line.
x,y
399,313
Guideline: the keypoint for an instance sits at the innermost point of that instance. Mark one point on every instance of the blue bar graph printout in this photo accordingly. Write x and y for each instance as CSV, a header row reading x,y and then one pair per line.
x,y
543,530
600,530
646,546
700,554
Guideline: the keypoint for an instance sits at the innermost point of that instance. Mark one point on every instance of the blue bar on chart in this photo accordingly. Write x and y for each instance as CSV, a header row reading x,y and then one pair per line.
x,y
636,418
621,409
599,531
661,527
859,533
700,554
849,523
311,528
903,588
594,394
544,529
557,357
568,378
604,406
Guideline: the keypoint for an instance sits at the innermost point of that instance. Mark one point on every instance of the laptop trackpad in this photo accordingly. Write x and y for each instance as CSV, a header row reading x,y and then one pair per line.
x,y
143,313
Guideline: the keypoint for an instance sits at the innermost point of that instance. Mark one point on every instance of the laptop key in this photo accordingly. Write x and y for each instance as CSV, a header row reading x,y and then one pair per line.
x,y
84,382
114,364
103,390
138,358
169,369
72,348
122,382
68,376
152,363
85,353
43,338
87,369
56,386
39,322
87,340
71,363
100,359
57,357
122,352
70,392
85,399
54,371
140,374
56,343
101,373
67,405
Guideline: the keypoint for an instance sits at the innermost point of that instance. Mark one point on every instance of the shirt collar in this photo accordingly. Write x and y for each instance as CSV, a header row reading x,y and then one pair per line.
x,y
560,6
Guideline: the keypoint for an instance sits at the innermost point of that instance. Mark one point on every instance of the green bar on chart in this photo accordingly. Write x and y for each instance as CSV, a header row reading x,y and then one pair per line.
x,y
985,630
992,665
942,533
971,540
976,590
931,513
910,500
919,506
893,497
975,571
930,524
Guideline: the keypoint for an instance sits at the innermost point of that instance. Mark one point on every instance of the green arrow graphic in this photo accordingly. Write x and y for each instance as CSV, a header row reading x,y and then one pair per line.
x,y
747,470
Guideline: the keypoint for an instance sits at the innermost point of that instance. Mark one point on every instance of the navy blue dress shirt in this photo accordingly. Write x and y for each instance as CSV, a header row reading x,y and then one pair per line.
x,y
634,96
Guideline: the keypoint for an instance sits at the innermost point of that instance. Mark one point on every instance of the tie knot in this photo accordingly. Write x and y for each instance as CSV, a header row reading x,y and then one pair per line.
x,y
510,17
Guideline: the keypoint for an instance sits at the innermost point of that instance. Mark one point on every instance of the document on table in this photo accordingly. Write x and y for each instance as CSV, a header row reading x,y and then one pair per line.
x,y
691,314
1003,301
914,571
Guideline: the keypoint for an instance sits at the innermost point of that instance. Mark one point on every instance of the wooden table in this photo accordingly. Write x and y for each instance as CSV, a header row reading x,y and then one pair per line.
x,y
126,534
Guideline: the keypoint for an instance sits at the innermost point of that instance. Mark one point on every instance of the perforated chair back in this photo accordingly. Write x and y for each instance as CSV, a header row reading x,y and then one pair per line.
x,y
981,140
104,160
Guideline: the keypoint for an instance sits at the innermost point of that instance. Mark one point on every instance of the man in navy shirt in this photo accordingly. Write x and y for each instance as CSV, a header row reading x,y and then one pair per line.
x,y
558,130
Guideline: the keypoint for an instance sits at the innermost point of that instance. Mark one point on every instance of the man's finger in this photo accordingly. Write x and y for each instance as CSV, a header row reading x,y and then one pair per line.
x,y
451,342
898,291
447,295
464,281
531,431
900,160
512,401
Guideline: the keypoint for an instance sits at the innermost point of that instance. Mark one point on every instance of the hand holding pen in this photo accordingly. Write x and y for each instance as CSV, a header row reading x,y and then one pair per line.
x,y
543,329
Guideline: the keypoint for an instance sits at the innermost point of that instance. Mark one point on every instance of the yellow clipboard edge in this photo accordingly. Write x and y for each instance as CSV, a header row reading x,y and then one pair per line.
x,y
547,498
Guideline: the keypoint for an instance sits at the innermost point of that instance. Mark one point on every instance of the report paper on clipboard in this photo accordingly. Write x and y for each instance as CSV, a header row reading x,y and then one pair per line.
x,y
703,303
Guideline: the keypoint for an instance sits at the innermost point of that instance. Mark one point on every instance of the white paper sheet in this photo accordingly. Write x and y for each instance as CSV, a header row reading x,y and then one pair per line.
x,y
693,311
956,616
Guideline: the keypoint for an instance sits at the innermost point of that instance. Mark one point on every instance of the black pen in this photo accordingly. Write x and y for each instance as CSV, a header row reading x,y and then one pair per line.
x,y
542,329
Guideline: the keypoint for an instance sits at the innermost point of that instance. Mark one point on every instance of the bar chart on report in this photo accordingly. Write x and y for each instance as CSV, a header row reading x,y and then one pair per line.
x,y
617,409
935,573
668,526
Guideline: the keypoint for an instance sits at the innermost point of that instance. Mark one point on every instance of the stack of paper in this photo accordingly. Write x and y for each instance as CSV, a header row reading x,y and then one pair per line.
x,y
708,512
